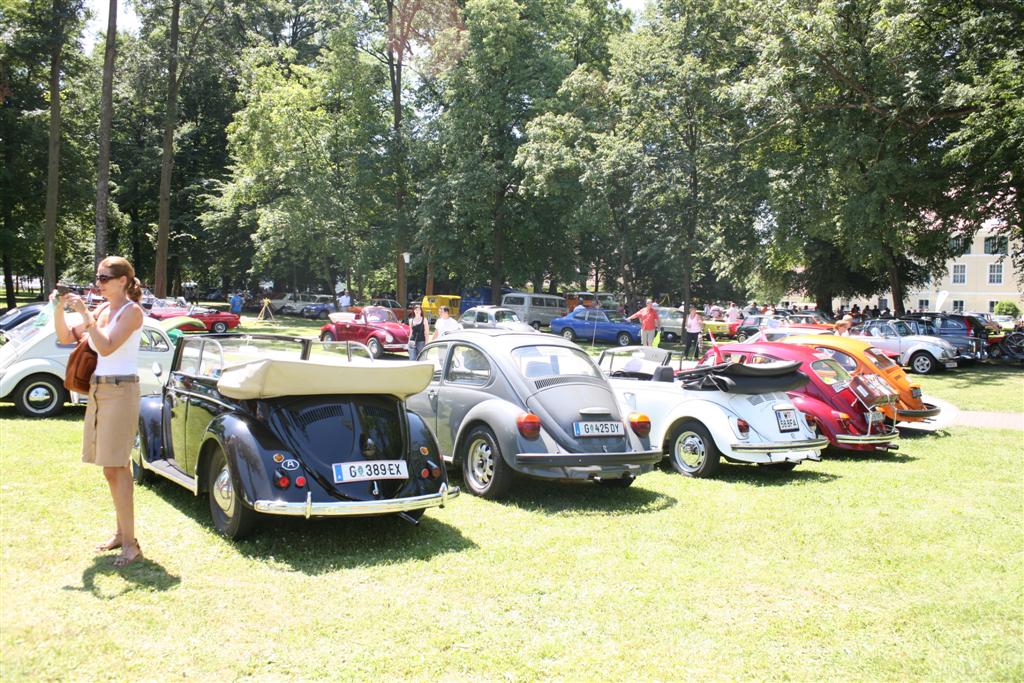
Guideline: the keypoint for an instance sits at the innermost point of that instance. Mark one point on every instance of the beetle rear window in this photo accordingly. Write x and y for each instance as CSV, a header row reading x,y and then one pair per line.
x,y
830,372
546,361
880,359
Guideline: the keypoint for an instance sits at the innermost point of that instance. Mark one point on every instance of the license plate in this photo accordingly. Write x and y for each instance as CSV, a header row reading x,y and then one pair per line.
x,y
916,392
598,429
368,470
787,420
950,363
874,417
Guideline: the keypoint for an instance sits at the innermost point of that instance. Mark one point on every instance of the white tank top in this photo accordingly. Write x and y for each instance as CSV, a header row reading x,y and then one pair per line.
x,y
125,358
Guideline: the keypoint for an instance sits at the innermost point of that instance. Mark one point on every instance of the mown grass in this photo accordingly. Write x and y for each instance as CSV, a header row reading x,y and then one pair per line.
x,y
989,386
901,566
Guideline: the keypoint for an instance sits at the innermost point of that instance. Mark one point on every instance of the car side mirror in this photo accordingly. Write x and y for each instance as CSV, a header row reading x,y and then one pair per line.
x,y
157,369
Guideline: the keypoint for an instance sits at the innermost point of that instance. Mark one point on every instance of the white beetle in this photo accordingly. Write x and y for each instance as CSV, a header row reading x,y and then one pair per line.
x,y
753,421
33,364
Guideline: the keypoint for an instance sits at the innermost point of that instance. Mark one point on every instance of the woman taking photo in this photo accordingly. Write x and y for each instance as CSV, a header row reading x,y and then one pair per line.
x,y
112,415
418,329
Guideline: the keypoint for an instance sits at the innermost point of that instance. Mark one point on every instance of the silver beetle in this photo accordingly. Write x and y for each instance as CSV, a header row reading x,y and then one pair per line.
x,y
502,402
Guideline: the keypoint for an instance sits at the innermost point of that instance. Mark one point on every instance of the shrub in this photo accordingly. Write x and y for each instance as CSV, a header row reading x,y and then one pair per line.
x,y
1007,308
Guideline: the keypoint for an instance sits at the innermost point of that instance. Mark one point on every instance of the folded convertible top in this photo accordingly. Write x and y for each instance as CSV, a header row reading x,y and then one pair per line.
x,y
273,377
738,378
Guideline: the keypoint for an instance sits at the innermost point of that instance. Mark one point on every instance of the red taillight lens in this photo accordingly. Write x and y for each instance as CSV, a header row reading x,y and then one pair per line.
x,y
424,473
640,423
282,481
436,473
744,427
300,481
528,425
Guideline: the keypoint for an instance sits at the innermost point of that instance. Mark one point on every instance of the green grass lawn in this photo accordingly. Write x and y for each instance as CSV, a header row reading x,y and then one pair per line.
x,y
901,566
986,386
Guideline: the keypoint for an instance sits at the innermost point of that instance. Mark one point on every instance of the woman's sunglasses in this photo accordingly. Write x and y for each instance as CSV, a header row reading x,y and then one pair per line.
x,y
103,279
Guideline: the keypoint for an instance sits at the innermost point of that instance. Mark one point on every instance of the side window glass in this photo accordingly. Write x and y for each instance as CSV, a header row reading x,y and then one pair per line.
x,y
212,362
481,317
468,366
435,355
190,354
152,340
848,362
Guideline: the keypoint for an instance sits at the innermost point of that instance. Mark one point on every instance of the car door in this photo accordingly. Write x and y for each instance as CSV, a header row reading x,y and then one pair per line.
x,y
425,403
485,319
176,401
204,403
467,373
154,347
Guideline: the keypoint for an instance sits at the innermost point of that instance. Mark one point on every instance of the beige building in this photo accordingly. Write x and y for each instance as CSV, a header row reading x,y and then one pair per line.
x,y
974,281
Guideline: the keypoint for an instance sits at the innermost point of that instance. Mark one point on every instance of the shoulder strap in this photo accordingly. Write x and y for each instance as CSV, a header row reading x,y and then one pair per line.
x,y
119,312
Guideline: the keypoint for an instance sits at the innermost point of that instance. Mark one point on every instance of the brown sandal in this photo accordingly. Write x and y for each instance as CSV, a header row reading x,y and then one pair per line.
x,y
121,561
113,544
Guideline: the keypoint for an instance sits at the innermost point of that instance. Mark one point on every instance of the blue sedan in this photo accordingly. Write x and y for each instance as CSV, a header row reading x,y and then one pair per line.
x,y
597,325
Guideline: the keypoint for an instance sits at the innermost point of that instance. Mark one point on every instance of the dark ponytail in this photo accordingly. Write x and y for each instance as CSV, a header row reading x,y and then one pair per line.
x,y
134,290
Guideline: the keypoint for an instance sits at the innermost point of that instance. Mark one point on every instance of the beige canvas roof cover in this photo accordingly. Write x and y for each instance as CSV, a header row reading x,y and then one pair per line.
x,y
272,377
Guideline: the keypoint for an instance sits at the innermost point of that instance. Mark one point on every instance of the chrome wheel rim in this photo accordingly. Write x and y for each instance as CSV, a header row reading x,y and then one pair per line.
x,y
481,463
40,397
374,347
689,450
219,327
624,340
223,492
568,334
922,364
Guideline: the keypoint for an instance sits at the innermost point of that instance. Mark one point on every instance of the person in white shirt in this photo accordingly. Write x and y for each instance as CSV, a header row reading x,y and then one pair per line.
x,y
733,314
445,324
345,301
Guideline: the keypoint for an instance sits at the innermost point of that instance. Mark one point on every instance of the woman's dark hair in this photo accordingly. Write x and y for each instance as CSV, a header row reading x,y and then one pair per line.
x,y
120,267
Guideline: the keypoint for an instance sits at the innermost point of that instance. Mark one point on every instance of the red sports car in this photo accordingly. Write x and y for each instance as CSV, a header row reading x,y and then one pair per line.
x,y
375,326
214,321
845,408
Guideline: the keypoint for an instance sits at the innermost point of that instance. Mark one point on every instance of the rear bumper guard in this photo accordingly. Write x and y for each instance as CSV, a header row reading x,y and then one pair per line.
x,y
356,508
780,446
930,411
587,459
855,439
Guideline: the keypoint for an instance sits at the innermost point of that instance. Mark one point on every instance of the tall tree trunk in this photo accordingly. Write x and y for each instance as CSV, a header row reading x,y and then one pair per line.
x,y
396,47
823,301
896,282
12,301
167,161
106,122
429,286
497,265
53,158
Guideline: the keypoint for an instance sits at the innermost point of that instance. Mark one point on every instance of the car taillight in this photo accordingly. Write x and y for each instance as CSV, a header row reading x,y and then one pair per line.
x,y
812,423
840,415
744,428
300,481
528,425
281,480
640,424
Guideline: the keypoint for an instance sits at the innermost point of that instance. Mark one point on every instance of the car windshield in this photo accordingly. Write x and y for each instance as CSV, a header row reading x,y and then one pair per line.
x,y
24,331
880,359
547,361
669,314
379,315
506,317
902,329
830,372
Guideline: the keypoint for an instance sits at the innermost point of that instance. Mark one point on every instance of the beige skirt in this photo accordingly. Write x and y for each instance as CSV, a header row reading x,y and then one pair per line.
x,y
111,423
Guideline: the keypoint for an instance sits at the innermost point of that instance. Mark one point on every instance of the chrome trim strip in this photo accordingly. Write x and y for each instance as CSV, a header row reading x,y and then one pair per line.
x,y
354,508
872,438
587,459
779,446
205,397
175,475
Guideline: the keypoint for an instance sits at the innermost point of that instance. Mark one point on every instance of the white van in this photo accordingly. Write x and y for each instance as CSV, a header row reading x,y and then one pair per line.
x,y
535,309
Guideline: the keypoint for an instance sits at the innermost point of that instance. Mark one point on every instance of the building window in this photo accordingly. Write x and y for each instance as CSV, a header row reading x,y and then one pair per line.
x,y
995,245
958,306
959,274
959,245
995,273
923,304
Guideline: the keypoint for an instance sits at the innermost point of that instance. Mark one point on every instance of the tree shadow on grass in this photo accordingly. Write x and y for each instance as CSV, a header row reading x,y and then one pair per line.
x,y
71,413
320,545
765,476
872,456
145,574
584,498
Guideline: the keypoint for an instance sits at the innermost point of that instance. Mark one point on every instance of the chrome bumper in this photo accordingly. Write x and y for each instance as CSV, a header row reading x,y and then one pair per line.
x,y
779,446
356,508
930,411
587,459
854,439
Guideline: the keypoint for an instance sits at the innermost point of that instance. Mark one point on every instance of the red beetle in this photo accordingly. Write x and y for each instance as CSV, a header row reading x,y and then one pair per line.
x,y
375,326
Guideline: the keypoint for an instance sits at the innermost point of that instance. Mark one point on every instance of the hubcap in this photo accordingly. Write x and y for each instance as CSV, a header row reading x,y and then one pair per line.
x,y
922,364
567,334
481,463
40,397
223,492
689,450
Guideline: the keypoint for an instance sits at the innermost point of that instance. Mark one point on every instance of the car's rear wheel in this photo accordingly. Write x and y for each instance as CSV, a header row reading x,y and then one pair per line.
x,y
323,314
483,468
376,350
741,336
567,333
922,363
623,339
220,327
40,395
692,451
535,325
139,473
230,515
326,337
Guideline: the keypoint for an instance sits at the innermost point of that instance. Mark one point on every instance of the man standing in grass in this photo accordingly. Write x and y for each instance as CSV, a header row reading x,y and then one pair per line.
x,y
649,322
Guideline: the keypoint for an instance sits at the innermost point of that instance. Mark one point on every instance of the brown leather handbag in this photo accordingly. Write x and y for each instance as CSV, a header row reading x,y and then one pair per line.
x,y
81,365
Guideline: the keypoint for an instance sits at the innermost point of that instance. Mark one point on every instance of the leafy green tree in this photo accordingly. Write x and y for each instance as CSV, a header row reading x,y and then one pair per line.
x,y
1007,308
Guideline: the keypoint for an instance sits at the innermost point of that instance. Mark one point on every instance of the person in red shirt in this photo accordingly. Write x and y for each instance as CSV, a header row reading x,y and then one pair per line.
x,y
649,322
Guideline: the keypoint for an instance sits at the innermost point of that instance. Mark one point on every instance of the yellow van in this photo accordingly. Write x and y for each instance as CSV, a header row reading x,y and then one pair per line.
x,y
432,305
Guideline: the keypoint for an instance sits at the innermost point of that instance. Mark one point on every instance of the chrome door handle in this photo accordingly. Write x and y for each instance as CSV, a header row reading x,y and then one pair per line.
x,y
431,393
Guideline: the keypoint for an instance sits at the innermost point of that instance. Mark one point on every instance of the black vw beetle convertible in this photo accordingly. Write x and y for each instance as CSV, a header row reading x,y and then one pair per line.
x,y
267,424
